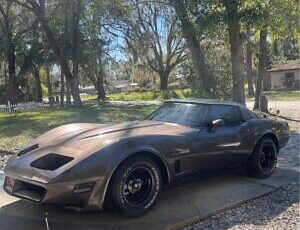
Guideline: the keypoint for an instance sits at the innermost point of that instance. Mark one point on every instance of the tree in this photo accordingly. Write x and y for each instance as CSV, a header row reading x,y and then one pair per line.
x,y
62,89
249,61
94,41
283,21
236,48
147,42
154,34
39,10
77,11
275,20
12,36
46,64
33,61
17,28
262,65
197,54
38,87
94,69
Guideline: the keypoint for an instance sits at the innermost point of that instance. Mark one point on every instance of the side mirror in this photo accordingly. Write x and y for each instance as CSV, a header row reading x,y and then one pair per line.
x,y
217,123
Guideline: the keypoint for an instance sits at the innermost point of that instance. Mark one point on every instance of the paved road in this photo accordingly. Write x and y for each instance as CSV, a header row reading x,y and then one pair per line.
x,y
177,207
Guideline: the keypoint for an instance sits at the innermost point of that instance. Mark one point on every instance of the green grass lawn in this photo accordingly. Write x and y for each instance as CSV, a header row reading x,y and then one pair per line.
x,y
283,95
278,95
143,96
16,129
185,93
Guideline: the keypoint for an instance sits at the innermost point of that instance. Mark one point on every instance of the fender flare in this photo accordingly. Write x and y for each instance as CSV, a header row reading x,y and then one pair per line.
x,y
266,133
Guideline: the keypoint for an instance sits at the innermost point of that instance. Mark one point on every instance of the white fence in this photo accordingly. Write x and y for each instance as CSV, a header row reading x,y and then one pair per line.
x,y
22,107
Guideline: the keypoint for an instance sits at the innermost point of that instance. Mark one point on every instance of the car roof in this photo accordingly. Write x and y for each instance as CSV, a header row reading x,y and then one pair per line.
x,y
205,101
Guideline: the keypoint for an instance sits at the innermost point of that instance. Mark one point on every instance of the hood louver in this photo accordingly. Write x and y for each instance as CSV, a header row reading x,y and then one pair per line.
x,y
27,150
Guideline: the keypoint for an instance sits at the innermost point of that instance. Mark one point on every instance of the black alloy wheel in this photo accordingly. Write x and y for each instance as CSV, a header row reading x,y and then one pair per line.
x,y
263,160
136,186
267,157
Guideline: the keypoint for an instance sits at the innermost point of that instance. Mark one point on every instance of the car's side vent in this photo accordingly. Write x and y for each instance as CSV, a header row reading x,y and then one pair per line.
x,y
27,150
177,166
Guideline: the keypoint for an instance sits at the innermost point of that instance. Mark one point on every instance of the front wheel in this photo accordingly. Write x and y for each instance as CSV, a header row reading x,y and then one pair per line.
x,y
136,186
263,160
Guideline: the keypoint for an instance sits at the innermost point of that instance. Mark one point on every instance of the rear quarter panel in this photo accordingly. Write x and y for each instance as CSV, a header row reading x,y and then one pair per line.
x,y
263,126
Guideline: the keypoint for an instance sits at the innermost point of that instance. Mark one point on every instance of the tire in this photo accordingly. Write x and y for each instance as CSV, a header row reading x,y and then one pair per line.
x,y
136,186
263,160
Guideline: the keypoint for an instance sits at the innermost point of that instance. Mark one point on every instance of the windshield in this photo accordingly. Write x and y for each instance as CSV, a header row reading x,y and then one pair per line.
x,y
180,113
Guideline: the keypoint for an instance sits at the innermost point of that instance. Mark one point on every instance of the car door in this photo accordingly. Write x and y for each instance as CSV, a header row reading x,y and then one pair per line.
x,y
184,156
222,145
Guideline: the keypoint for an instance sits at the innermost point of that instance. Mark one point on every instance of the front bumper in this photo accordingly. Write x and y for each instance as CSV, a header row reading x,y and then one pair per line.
x,y
61,194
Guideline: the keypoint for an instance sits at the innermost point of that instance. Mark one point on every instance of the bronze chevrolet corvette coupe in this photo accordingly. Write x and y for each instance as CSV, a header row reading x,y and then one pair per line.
x,y
83,165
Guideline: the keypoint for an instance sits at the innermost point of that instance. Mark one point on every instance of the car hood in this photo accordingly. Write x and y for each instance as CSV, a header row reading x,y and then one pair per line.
x,y
77,141
69,135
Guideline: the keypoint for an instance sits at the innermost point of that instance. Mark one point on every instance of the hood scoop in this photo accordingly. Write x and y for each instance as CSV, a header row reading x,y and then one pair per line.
x,y
51,161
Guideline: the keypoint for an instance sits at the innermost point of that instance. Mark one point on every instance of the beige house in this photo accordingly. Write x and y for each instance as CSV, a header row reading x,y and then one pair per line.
x,y
285,76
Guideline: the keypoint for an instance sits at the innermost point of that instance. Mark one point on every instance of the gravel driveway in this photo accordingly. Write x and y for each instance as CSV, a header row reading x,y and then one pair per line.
x,y
3,159
278,210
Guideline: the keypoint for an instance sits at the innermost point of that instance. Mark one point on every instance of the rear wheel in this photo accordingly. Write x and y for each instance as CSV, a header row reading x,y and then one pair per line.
x,y
136,186
263,160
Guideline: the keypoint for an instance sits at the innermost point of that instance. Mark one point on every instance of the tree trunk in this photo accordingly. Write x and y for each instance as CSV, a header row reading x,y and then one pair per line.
x,y
164,78
100,89
12,90
68,95
62,89
249,62
50,95
40,13
262,66
38,87
46,64
5,74
77,8
236,50
275,48
12,86
197,53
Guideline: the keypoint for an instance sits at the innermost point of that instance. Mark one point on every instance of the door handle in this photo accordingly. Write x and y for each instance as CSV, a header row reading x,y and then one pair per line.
x,y
246,127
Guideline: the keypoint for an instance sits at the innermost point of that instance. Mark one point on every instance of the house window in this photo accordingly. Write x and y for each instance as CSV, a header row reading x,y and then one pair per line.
x,y
289,80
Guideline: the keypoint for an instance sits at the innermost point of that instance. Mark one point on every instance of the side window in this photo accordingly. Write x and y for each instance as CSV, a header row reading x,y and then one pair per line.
x,y
230,114
247,115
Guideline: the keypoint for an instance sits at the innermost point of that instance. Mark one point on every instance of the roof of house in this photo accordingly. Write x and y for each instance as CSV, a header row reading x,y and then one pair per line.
x,y
288,65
